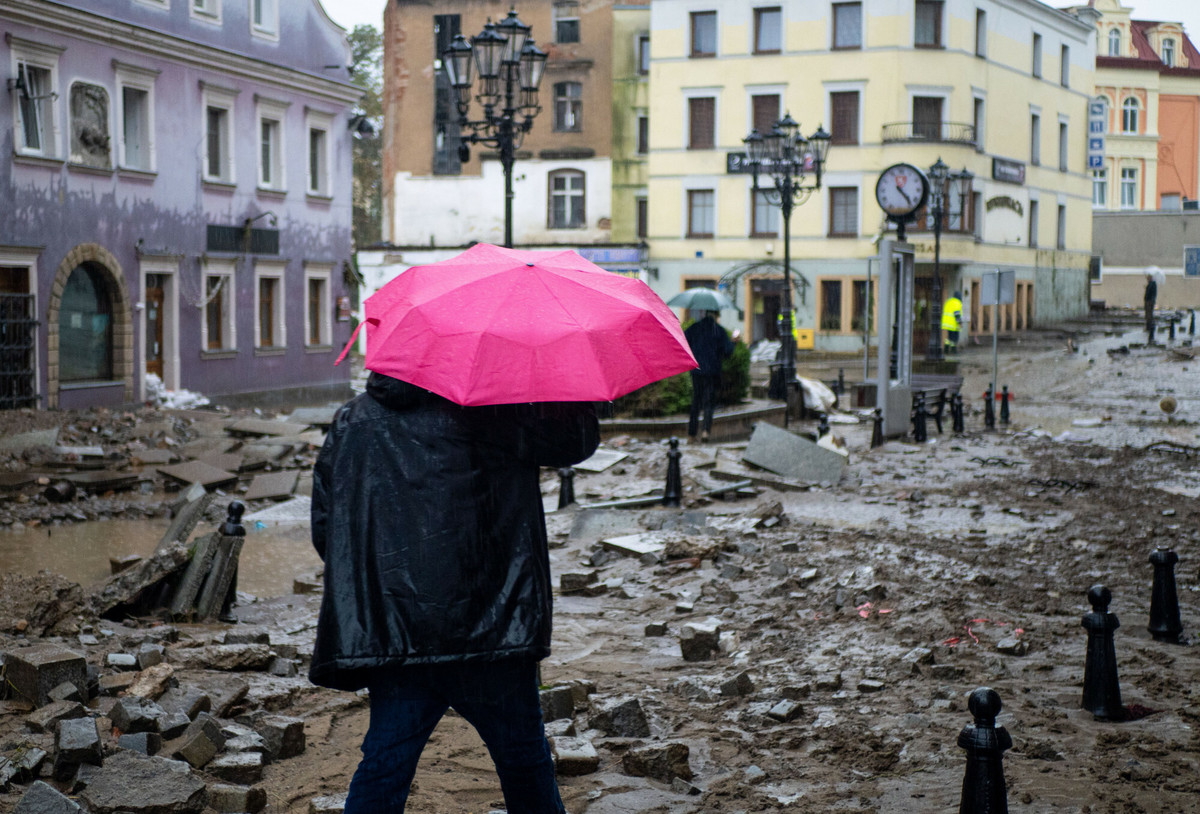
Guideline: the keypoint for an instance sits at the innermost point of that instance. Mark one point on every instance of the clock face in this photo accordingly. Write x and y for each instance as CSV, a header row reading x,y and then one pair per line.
x,y
901,190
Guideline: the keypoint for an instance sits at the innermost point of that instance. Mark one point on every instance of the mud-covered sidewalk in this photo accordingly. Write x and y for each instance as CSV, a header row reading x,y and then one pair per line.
x,y
797,647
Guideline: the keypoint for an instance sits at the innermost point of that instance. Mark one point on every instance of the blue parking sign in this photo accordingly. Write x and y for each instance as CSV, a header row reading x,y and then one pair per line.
x,y
1095,162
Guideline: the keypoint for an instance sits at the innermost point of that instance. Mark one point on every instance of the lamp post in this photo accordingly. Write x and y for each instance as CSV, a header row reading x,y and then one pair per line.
x,y
789,159
510,69
942,184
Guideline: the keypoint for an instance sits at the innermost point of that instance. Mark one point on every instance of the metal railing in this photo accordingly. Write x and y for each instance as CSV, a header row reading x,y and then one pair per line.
x,y
949,132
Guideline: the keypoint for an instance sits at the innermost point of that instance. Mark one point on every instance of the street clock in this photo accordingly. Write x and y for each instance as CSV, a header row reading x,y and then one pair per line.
x,y
902,189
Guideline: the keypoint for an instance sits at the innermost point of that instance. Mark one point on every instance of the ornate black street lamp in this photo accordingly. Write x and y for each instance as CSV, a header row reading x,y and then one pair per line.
x,y
942,185
790,160
510,69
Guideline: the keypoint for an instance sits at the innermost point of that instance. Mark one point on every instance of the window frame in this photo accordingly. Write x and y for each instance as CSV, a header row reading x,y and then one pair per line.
x,y
1131,114
824,286
224,100
856,137
692,111
981,33
643,54
227,270
573,107
1035,69
323,273
1064,69
557,17
270,110
133,77
268,27
271,270
693,18
641,215
208,11
1063,145
1060,239
754,110
760,197
643,134
835,205
1114,39
938,40
318,122
1034,214
1128,181
1168,50
568,194
1035,138
692,195
1100,184
834,33
758,30
44,58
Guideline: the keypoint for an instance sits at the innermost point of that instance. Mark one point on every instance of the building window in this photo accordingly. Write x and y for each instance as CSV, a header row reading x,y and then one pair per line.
x,y
704,34
35,93
264,18
701,212
643,216
764,112
1037,55
1099,189
136,116
1061,240
928,31
568,107
843,118
91,145
271,152
1114,42
847,25
1062,146
831,305
566,21
643,135
1168,53
218,136
643,54
317,173
318,314
217,329
978,121
208,10
1129,186
1033,224
271,328
85,328
567,200
843,211
1129,115
1064,71
701,122
861,305
764,217
768,30
1035,139
927,117
980,33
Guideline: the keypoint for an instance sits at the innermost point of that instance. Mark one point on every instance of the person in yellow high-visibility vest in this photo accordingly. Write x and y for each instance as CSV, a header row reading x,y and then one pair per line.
x,y
952,321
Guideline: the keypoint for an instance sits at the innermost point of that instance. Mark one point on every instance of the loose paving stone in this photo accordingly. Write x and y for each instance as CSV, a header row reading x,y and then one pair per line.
x,y
27,763
244,768
228,461
45,719
661,762
260,427
283,734
152,681
150,654
246,742
698,641
42,798
557,702
78,742
153,457
870,685
574,756
273,485
121,661
133,713
739,685
131,783
229,799
792,456
1013,646
786,711
189,701
7,772
563,727
113,684
32,672
206,475
620,718
314,416
200,742
147,743
636,545
223,657
332,804
174,725
655,629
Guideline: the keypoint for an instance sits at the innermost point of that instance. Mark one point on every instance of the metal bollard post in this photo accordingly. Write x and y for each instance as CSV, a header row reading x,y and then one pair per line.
x,y
841,382
566,486
823,425
989,409
1101,688
1004,405
1171,329
984,790
1165,625
673,491
232,527
1192,325
920,430
877,429
956,412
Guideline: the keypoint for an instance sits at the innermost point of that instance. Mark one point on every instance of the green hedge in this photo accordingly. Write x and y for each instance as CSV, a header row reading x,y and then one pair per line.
x,y
674,395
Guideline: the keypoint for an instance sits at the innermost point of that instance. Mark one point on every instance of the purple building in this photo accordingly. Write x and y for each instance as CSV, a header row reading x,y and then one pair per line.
x,y
175,183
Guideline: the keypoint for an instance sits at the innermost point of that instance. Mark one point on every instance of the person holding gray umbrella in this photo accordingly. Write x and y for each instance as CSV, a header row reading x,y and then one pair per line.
x,y
710,344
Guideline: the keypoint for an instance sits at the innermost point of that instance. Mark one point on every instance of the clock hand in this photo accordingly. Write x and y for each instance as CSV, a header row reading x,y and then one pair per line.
x,y
900,189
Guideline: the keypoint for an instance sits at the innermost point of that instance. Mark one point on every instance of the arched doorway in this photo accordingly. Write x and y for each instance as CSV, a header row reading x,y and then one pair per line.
x,y
90,325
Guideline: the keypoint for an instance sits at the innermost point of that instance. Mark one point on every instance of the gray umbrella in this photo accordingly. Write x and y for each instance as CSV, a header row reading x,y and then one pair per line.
x,y
701,299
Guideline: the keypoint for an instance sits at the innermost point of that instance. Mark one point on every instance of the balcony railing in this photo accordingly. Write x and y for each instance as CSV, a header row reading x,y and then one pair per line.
x,y
951,132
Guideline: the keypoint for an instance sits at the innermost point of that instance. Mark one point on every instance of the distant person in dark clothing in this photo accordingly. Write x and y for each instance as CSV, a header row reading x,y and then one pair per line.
x,y
710,343
1148,299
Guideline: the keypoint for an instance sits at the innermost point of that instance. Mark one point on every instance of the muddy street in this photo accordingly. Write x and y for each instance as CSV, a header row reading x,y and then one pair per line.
x,y
791,645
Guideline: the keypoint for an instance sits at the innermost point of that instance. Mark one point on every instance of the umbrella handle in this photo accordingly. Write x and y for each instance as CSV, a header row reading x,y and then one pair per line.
x,y
353,337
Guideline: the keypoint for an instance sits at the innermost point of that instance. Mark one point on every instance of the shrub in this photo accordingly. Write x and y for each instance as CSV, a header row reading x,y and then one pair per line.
x,y
674,395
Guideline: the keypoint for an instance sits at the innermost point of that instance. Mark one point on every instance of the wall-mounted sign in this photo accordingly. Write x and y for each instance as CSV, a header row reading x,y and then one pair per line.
x,y
998,287
343,309
1097,125
739,164
1004,202
1010,172
1191,261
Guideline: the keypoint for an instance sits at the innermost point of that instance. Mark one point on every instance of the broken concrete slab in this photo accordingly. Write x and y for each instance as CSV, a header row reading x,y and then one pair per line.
x,y
210,477
153,457
792,456
314,416
227,461
296,510
329,804
202,551
187,516
138,784
105,480
636,545
601,459
223,657
151,682
11,481
32,672
29,440
261,427
272,485
42,798
127,587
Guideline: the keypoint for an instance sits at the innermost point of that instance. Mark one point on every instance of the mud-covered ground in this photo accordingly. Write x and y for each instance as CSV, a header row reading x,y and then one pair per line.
x,y
877,605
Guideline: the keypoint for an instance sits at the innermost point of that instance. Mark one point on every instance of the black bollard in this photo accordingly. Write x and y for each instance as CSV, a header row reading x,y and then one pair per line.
x,y
956,413
841,383
1192,325
673,491
823,425
566,486
989,410
1101,689
1171,329
984,790
1004,405
877,429
920,430
232,527
1165,625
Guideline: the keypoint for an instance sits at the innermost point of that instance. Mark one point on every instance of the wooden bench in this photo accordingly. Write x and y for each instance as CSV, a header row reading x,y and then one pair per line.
x,y
937,390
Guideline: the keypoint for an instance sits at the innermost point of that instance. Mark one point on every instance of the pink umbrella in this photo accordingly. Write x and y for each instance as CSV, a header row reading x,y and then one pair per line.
x,y
505,326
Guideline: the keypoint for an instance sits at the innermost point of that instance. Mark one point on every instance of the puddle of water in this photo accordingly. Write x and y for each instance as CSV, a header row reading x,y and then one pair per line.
x,y
272,557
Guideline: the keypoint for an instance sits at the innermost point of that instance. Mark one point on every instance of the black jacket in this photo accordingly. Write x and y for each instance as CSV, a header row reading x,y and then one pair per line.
x,y
710,343
429,518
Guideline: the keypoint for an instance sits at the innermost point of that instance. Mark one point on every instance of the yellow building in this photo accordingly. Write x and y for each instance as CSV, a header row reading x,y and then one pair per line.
x,y
998,88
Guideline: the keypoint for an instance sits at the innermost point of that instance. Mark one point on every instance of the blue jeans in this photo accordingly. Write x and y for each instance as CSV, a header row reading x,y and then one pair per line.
x,y
498,698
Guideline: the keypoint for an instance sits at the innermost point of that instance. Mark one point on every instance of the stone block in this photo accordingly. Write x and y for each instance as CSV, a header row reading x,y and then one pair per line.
x,y
662,762
228,799
200,742
621,718
331,804
698,641
246,742
249,636
147,743
237,767
283,668
149,655
188,701
574,756
136,714
45,719
131,783
26,763
152,682
173,725
739,685
32,672
116,683
557,702
655,629
792,456
283,735
42,798
562,727
78,742
122,661
785,711
67,691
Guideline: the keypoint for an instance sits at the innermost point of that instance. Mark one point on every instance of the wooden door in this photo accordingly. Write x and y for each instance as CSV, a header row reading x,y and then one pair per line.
x,y
154,324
